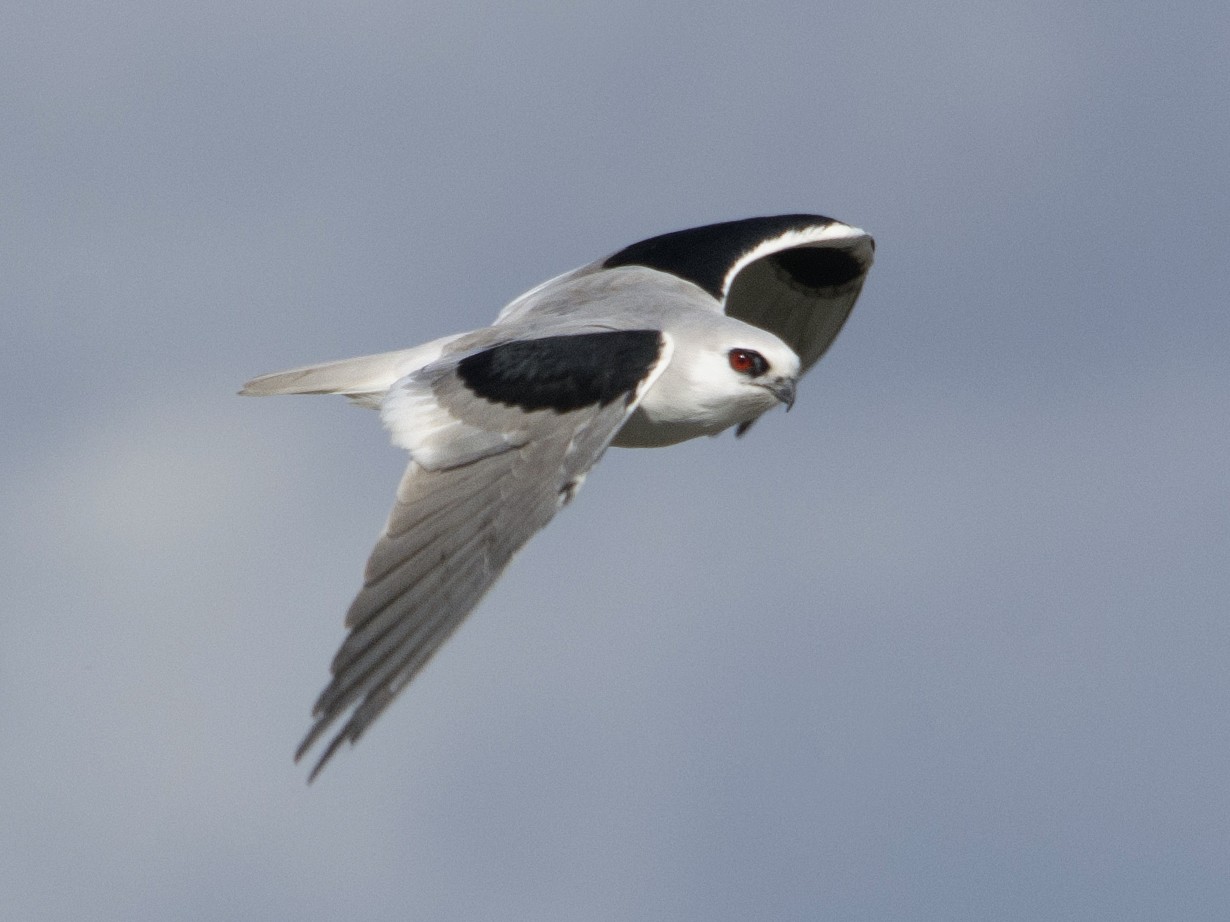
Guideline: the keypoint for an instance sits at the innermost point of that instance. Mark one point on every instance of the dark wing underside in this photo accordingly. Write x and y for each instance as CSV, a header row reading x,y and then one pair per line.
x,y
795,275
803,294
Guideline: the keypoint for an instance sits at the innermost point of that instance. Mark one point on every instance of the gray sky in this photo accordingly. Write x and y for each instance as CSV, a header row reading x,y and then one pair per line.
x,y
948,641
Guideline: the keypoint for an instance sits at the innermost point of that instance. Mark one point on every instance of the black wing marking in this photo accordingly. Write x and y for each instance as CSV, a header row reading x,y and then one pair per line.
x,y
562,373
705,255
456,525
795,275
803,294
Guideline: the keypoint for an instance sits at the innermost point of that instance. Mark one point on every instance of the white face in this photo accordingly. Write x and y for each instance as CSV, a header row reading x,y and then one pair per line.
x,y
755,372
728,376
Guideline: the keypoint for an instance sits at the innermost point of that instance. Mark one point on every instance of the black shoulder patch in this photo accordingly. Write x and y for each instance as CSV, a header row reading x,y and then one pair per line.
x,y
703,255
562,373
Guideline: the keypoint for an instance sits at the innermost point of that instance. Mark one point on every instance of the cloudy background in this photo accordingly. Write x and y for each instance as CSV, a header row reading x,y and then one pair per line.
x,y
951,640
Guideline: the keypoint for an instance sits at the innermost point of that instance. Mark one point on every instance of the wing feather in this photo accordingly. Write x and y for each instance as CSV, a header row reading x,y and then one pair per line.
x,y
452,531
795,275
802,286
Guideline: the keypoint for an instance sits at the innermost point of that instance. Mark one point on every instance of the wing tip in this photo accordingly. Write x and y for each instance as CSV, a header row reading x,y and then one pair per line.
x,y
314,734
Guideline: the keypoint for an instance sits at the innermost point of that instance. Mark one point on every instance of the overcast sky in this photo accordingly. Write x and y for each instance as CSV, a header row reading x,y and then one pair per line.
x,y
949,641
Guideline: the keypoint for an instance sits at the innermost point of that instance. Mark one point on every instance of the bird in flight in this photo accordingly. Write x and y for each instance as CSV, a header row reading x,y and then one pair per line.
x,y
681,335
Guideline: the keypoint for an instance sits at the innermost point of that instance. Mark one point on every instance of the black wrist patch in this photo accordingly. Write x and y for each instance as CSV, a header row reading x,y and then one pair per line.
x,y
563,373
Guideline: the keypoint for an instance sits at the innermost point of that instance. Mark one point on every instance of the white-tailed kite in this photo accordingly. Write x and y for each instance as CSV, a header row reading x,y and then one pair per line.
x,y
677,336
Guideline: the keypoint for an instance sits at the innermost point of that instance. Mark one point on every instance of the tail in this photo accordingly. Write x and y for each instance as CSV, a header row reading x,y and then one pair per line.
x,y
364,379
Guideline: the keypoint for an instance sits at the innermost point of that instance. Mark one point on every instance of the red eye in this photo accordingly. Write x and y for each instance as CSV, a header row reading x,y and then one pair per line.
x,y
748,362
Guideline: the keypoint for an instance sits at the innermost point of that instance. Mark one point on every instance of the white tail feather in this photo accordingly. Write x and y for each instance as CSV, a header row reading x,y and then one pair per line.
x,y
364,379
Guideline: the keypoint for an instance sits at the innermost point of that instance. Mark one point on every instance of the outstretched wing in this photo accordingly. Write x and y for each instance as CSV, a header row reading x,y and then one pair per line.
x,y
499,441
796,276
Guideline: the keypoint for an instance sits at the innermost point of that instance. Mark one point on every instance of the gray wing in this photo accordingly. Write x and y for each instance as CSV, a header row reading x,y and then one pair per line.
x,y
499,441
802,286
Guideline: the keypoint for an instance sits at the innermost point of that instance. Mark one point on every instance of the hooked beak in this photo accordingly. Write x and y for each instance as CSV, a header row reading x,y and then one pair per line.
x,y
783,390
